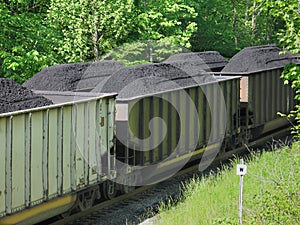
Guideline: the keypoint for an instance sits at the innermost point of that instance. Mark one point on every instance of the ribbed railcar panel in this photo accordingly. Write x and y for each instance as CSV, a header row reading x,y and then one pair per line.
x,y
46,151
54,189
18,163
3,152
175,109
268,95
37,152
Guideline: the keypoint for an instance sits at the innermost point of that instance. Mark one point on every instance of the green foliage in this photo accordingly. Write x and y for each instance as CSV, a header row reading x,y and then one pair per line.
x,y
286,11
24,39
89,28
279,205
143,52
168,20
270,195
20,64
162,28
279,201
230,25
291,75
214,27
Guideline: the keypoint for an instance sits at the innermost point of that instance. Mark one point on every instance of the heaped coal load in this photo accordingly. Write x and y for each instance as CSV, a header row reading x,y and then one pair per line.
x,y
148,79
257,58
14,97
73,77
207,61
98,73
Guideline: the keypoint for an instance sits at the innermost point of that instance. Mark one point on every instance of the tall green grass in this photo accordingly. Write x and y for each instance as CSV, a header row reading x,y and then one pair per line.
x,y
271,193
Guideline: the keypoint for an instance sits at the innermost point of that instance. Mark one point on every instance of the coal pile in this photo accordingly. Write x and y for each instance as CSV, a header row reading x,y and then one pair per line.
x,y
193,68
64,77
148,79
256,58
14,97
98,73
207,61
72,77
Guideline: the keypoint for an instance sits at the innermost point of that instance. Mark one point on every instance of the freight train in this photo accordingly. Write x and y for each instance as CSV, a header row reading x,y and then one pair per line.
x,y
148,122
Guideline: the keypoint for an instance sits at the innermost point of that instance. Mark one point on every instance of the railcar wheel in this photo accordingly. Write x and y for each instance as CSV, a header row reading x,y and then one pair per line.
x,y
85,202
109,190
87,198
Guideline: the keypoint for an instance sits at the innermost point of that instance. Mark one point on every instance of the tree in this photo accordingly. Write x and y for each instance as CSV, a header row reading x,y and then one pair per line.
x,y
215,27
144,52
89,28
169,20
25,40
230,25
161,27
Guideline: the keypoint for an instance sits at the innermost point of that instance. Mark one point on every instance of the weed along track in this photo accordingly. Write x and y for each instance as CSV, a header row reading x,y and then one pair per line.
x,y
103,129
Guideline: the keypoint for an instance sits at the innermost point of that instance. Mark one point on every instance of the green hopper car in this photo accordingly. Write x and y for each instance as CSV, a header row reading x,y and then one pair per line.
x,y
51,153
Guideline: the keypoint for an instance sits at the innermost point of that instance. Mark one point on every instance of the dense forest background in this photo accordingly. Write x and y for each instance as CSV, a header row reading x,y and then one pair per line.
x,y
38,33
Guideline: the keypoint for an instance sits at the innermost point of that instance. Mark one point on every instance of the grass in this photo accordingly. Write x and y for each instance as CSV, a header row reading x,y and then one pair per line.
x,y
271,193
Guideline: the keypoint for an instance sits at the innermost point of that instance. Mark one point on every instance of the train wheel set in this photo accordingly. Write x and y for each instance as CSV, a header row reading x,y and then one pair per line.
x,y
78,133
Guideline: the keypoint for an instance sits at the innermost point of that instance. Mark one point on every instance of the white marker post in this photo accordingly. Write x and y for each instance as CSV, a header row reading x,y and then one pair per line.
x,y
241,170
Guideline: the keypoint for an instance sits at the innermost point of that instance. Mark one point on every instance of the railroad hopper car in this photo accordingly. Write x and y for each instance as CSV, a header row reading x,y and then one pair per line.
x,y
51,155
263,96
191,114
184,138
263,93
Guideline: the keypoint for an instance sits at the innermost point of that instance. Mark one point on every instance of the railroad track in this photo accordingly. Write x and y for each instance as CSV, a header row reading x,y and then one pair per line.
x,y
142,203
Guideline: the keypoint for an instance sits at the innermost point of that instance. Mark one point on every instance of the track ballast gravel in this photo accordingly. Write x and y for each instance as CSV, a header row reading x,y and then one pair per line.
x,y
137,208
14,97
208,61
256,58
147,79
72,77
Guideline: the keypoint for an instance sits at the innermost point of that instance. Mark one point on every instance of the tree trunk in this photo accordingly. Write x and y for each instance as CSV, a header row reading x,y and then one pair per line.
x,y
95,43
247,13
257,10
267,26
235,23
253,24
95,38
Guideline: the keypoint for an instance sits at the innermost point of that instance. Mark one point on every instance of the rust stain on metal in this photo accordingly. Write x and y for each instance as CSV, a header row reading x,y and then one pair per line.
x,y
102,121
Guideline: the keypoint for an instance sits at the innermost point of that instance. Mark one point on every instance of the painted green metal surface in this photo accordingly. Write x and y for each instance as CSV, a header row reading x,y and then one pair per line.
x,y
268,95
168,106
50,151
